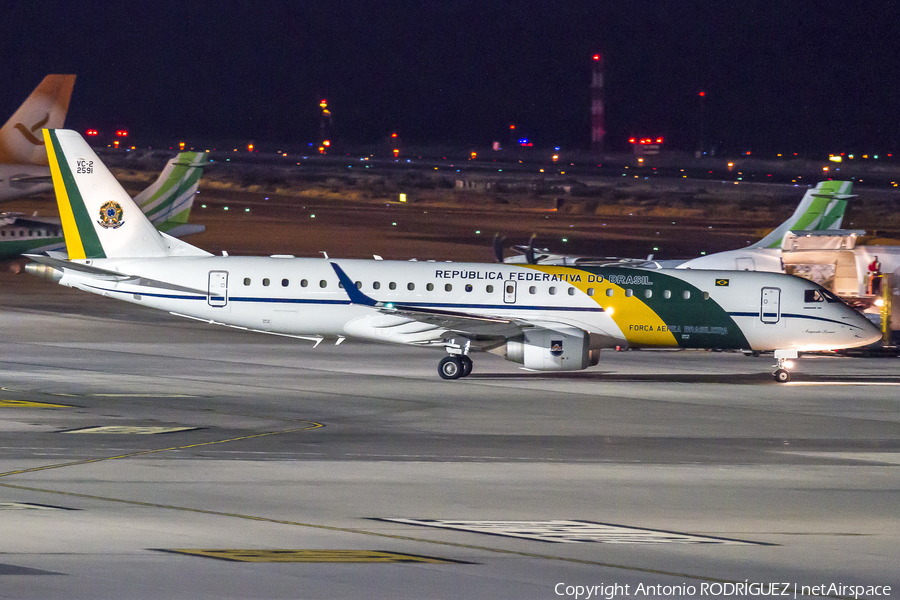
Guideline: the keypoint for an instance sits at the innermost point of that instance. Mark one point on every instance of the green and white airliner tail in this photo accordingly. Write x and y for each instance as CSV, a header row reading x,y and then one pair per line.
x,y
168,200
821,208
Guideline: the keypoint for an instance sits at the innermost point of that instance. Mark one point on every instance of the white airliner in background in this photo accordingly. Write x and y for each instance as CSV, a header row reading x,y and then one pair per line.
x,y
549,318
23,160
822,208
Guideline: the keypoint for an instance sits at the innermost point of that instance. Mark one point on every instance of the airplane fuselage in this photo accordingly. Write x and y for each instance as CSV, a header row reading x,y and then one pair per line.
x,y
615,306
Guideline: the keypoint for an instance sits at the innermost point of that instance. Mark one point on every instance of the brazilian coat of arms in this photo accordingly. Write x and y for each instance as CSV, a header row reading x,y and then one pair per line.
x,y
111,215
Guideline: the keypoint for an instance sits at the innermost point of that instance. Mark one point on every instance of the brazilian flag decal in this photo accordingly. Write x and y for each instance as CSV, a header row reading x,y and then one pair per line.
x,y
721,283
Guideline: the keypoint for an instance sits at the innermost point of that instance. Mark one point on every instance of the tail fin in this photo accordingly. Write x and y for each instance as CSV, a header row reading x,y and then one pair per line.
x,y
21,142
99,218
822,207
168,200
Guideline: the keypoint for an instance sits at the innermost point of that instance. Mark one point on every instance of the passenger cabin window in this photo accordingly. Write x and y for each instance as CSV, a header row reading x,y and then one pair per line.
x,y
532,290
468,287
284,283
648,293
392,285
430,287
376,285
323,283
489,289
571,291
358,285
552,290
667,294
410,286
609,292
686,295
448,287
246,281
629,293
590,291
303,283
266,281
706,295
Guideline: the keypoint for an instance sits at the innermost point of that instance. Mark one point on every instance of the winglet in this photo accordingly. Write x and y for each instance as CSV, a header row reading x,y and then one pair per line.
x,y
356,296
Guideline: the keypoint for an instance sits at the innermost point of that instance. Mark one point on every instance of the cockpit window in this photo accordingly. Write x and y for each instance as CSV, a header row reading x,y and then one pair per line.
x,y
820,295
813,296
829,297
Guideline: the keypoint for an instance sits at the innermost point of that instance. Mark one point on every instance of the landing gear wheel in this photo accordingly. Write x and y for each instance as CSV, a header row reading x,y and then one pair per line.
x,y
466,365
450,367
782,375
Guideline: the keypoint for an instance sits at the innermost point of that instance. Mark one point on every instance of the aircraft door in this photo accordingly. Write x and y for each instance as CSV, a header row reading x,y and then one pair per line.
x,y
744,263
218,288
509,292
770,307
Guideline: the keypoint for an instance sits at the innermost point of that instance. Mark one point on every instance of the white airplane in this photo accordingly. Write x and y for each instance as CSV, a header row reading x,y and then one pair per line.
x,y
547,318
821,209
167,203
23,160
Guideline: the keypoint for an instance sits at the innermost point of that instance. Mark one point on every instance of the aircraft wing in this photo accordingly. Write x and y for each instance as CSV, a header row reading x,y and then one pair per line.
x,y
472,325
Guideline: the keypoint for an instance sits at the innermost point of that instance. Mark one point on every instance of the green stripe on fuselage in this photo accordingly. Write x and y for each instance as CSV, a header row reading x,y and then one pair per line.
x,y
692,322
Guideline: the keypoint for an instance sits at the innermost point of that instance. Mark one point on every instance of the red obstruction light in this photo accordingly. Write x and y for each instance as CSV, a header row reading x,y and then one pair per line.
x,y
393,135
121,133
631,140
596,57
92,132
659,140
702,94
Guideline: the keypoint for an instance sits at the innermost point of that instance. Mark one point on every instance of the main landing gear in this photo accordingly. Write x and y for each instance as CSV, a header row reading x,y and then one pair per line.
x,y
781,374
458,364
454,367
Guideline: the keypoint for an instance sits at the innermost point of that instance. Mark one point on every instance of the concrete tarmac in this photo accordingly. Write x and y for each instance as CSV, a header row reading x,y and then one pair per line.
x,y
239,465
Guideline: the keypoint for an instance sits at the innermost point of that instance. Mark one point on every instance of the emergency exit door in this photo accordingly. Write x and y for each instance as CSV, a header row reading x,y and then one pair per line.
x,y
217,294
770,307
509,292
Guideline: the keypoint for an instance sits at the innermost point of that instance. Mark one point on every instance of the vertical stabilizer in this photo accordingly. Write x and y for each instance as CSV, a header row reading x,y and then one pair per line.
x,y
168,200
822,207
21,142
99,218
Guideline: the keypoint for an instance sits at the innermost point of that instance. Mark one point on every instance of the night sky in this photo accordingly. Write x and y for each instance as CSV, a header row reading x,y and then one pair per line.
x,y
779,76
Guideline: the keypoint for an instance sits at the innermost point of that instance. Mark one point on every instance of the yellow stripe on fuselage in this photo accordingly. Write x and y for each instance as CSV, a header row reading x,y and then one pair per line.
x,y
640,324
74,245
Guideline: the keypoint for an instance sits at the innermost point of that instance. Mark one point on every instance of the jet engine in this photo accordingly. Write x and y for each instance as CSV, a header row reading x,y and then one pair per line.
x,y
558,349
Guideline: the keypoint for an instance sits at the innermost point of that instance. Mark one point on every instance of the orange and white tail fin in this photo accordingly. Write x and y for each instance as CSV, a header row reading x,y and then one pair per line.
x,y
21,142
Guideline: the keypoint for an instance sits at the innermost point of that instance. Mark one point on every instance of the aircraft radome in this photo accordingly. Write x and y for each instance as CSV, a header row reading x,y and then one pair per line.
x,y
549,318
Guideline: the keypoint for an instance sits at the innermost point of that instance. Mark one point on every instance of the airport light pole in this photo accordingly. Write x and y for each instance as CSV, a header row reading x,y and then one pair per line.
x,y
702,96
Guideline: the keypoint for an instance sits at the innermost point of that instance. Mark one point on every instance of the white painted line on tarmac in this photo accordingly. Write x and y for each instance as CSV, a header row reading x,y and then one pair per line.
x,y
127,429
563,531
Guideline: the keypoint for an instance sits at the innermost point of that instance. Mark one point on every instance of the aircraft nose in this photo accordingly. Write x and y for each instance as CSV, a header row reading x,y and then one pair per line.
x,y
874,333
869,333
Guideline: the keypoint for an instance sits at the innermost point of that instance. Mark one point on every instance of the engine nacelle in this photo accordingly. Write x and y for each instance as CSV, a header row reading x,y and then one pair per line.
x,y
562,349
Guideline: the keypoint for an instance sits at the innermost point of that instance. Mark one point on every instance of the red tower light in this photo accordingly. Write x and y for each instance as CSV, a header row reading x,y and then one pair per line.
x,y
702,94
